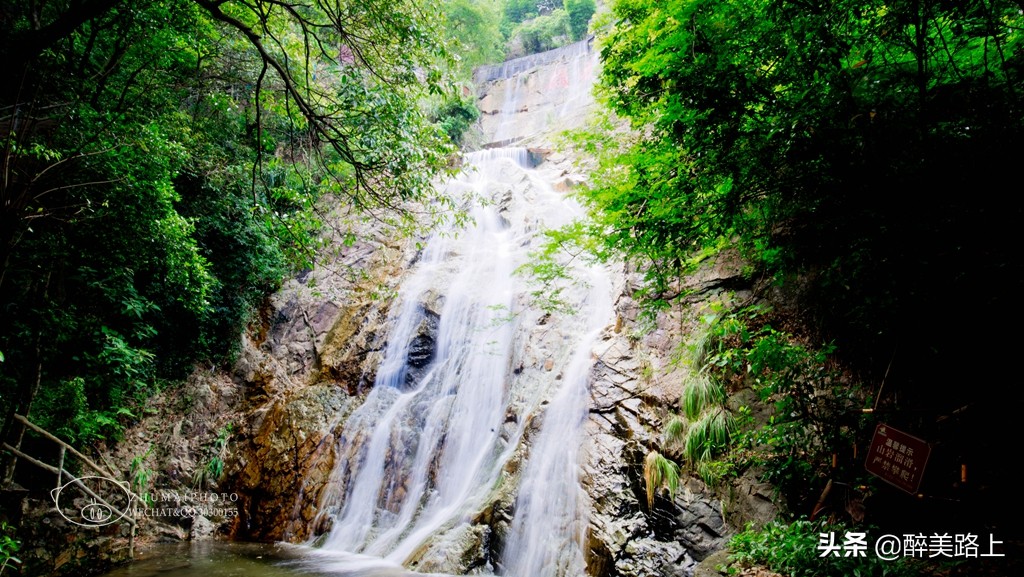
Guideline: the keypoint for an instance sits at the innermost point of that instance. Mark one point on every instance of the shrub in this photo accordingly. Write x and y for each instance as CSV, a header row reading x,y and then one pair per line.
x,y
792,549
579,12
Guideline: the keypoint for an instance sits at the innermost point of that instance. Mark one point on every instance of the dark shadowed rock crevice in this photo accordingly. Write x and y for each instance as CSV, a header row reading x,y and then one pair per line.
x,y
423,347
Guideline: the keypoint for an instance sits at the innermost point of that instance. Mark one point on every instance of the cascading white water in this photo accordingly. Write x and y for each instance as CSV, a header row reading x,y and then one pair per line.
x,y
509,106
427,449
468,371
549,527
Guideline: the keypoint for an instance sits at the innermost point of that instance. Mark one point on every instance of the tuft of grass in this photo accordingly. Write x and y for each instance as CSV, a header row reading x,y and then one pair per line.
x,y
701,392
708,434
700,349
659,472
675,432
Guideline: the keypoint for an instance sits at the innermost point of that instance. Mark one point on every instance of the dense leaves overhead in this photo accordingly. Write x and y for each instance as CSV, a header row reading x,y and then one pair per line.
x,y
165,160
862,142
475,25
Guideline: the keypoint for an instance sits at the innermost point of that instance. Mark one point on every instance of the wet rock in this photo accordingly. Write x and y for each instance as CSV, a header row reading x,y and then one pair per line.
x,y
713,565
647,557
294,454
700,526
422,347
202,529
635,388
460,550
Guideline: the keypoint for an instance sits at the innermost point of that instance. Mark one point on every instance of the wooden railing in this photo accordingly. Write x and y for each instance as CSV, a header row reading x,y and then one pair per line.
x,y
63,473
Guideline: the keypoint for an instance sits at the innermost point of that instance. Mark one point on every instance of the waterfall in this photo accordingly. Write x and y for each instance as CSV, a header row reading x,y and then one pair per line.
x,y
549,527
479,394
530,97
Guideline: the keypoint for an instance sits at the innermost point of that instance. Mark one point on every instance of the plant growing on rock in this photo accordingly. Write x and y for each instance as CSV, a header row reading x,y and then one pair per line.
x,y
706,426
8,547
659,473
141,476
810,406
214,467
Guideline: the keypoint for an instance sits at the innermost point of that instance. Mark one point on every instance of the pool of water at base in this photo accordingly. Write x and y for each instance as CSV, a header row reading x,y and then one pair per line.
x,y
219,559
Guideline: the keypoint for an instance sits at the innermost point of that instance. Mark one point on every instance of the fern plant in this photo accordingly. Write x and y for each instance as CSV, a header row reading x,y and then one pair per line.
x,y
141,475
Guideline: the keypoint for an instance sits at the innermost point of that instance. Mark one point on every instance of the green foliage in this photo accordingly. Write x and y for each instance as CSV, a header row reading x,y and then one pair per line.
x,y
544,32
675,431
9,545
141,475
659,473
815,408
712,472
549,268
168,163
579,12
516,11
792,549
456,116
699,393
214,468
790,127
475,26
706,427
223,434
708,435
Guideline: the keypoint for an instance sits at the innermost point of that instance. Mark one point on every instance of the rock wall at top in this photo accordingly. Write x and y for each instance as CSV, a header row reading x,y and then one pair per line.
x,y
528,100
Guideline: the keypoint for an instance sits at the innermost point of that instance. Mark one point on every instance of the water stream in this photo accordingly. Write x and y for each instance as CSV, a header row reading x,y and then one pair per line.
x,y
453,399
480,399
475,379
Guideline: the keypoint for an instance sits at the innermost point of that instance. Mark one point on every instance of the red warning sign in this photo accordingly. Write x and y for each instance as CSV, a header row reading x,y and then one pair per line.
x,y
897,458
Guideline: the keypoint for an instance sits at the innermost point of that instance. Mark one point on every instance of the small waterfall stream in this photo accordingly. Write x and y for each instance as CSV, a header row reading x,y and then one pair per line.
x,y
549,527
480,395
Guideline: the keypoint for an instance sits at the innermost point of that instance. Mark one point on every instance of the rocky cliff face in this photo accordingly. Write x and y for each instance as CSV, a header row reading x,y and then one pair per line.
x,y
637,382
528,100
325,336
275,420
304,374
